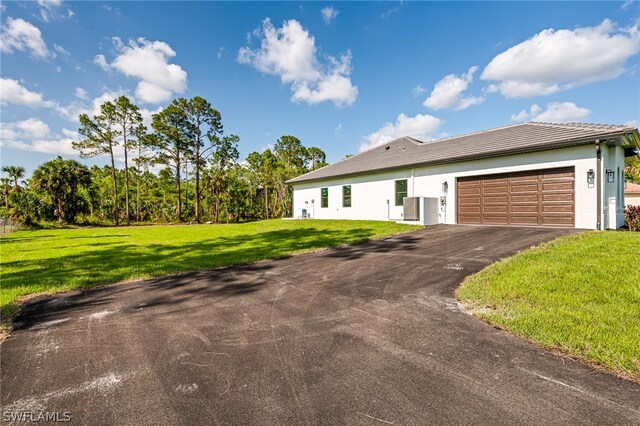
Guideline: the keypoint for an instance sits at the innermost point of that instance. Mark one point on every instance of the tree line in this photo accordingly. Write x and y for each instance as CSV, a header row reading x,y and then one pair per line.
x,y
200,177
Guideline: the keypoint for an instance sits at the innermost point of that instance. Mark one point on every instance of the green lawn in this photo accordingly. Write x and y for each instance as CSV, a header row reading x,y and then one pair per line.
x,y
64,259
579,294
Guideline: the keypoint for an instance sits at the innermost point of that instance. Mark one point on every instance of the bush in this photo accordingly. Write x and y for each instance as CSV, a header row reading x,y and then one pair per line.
x,y
632,217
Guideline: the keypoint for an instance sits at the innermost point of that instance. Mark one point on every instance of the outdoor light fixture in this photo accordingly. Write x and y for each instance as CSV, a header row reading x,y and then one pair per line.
x,y
445,187
591,178
312,201
611,176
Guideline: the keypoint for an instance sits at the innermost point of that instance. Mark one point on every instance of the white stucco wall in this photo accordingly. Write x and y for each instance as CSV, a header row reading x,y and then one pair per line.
x,y
632,199
369,193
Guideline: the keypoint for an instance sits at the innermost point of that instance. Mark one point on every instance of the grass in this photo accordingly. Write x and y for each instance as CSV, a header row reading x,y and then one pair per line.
x,y
65,259
578,294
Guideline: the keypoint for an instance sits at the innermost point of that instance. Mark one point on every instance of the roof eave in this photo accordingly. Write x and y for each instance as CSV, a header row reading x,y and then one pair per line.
x,y
564,144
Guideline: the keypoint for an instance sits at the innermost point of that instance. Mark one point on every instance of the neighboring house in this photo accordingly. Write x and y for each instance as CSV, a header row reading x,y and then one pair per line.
x,y
632,194
533,174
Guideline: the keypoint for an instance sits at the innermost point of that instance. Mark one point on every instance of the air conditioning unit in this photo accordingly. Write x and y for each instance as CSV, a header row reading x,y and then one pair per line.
x,y
411,207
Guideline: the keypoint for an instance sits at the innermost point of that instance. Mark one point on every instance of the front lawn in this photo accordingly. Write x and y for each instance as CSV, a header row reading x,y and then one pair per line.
x,y
65,259
578,294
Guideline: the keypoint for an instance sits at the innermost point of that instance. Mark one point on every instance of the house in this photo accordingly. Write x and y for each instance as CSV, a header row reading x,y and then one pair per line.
x,y
632,194
530,174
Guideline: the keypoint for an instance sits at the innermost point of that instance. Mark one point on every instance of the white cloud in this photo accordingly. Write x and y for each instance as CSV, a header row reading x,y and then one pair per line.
x,y
555,112
338,129
73,134
18,34
418,90
290,52
147,115
627,4
421,127
73,110
448,92
633,123
526,114
555,60
59,145
329,14
387,14
61,50
148,61
12,92
220,52
29,128
32,135
101,61
48,8
81,94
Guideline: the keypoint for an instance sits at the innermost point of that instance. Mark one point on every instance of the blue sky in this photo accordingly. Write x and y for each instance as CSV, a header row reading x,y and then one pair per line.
x,y
343,76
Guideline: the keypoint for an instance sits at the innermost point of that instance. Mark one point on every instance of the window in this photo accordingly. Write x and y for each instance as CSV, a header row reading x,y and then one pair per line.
x,y
324,197
346,196
401,191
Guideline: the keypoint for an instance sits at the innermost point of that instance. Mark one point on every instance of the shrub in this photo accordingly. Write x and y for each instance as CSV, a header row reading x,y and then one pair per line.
x,y
632,217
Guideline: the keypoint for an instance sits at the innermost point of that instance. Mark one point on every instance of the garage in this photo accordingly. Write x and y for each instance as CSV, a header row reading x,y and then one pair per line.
x,y
532,198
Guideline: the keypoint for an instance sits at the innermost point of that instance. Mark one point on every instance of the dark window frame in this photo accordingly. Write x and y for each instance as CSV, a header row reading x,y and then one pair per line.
x,y
344,195
324,198
399,194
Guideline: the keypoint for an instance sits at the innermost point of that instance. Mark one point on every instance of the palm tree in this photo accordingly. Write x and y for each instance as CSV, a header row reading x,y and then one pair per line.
x,y
16,173
61,178
5,187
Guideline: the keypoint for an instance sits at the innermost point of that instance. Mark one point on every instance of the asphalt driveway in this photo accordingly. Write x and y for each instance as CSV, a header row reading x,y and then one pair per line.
x,y
366,334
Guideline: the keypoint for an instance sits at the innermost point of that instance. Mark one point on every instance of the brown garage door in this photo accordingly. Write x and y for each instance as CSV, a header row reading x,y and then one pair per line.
x,y
538,198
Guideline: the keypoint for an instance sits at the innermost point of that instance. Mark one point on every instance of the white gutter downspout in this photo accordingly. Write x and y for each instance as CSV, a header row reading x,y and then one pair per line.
x,y
599,185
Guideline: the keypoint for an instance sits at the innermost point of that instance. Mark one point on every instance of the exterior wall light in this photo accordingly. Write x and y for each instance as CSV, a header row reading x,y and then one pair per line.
x,y
611,176
591,178
445,187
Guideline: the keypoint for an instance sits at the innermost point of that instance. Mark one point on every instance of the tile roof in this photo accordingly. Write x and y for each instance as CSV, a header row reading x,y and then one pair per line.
x,y
514,139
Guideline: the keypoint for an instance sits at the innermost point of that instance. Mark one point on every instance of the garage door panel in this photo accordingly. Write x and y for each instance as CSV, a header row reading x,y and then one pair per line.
x,y
538,198
497,208
569,175
490,181
470,200
558,196
557,186
496,220
557,208
470,219
469,191
501,199
524,208
529,198
521,187
523,178
471,209
500,189
524,220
